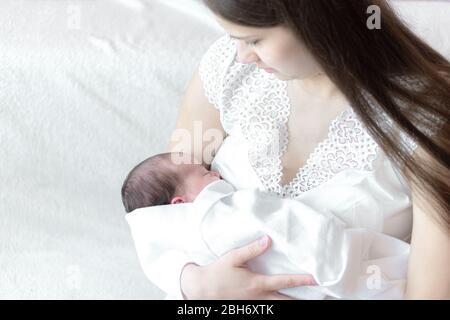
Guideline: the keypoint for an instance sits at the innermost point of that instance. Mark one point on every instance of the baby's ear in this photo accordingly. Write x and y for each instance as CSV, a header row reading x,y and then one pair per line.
x,y
178,200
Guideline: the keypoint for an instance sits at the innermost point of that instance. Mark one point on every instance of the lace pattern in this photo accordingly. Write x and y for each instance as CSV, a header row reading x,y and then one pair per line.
x,y
255,105
213,67
348,146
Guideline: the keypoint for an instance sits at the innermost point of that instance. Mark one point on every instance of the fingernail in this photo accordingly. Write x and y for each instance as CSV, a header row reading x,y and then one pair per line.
x,y
263,241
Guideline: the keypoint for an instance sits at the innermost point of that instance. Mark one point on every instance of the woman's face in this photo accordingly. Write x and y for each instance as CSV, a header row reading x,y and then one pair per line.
x,y
276,48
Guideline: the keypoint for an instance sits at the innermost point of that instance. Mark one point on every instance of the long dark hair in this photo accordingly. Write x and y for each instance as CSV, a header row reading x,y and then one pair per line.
x,y
382,72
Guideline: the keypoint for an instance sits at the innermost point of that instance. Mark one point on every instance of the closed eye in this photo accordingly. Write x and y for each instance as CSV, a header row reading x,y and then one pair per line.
x,y
252,43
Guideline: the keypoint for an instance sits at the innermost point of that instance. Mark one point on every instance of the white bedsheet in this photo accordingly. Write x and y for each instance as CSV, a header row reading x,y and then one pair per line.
x,y
81,102
87,90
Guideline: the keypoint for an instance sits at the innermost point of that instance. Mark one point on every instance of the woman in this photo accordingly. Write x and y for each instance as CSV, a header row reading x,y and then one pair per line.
x,y
328,59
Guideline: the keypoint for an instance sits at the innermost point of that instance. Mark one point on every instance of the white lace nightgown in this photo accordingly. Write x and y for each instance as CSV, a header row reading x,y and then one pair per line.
x,y
254,109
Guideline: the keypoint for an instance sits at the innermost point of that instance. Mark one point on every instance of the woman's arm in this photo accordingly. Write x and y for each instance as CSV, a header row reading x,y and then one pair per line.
x,y
428,271
198,129
229,278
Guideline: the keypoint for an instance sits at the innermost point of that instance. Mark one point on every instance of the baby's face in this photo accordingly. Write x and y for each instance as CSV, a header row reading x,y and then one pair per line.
x,y
196,178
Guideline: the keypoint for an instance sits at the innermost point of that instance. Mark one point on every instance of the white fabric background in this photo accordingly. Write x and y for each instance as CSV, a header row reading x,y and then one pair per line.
x,y
88,88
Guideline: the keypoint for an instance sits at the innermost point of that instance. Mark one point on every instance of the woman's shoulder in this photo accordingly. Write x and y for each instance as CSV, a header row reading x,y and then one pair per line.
x,y
214,65
222,49
219,69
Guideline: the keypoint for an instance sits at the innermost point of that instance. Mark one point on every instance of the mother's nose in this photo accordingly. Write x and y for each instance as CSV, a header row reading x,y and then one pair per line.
x,y
245,54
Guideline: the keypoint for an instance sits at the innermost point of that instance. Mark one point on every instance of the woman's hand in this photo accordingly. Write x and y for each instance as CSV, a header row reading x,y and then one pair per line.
x,y
230,278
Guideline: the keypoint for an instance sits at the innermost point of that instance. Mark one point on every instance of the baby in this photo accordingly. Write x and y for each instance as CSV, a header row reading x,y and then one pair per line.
x,y
161,180
184,209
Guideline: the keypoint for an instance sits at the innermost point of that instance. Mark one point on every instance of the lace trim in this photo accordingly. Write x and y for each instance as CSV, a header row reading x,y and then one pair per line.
x,y
263,124
214,66
256,105
347,146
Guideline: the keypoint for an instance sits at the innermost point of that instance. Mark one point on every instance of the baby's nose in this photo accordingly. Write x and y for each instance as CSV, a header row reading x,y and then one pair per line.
x,y
216,174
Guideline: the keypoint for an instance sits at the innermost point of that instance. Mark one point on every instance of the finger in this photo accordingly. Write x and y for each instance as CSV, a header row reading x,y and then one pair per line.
x,y
241,256
278,282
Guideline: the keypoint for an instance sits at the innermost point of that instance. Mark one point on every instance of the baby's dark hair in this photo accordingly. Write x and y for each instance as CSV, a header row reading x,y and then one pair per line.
x,y
152,182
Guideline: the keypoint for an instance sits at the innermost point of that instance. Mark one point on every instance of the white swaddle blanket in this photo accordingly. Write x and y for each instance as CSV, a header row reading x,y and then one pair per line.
x,y
338,241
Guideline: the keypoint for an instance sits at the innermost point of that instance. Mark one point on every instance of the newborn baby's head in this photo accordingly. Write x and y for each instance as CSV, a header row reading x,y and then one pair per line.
x,y
159,181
